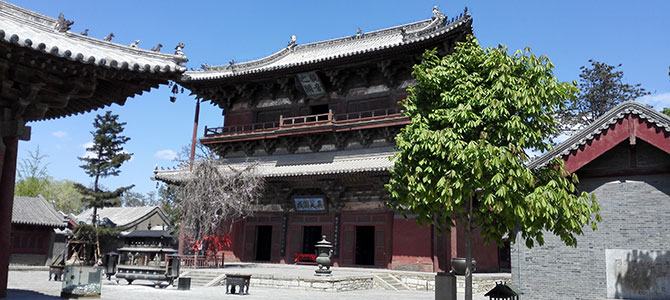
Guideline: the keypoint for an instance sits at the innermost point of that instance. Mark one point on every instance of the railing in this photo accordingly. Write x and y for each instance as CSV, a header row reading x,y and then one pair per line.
x,y
368,114
202,261
240,128
291,122
302,120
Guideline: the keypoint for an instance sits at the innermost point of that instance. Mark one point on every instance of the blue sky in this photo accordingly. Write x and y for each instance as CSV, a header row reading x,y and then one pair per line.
x,y
631,33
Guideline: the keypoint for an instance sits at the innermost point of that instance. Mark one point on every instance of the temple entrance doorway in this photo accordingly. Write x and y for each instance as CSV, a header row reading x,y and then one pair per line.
x,y
263,243
365,245
311,235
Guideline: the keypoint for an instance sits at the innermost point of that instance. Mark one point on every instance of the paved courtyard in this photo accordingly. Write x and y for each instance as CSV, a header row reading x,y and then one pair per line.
x,y
27,285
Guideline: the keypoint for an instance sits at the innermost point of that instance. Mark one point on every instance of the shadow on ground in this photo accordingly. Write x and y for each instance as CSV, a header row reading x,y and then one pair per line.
x,y
28,295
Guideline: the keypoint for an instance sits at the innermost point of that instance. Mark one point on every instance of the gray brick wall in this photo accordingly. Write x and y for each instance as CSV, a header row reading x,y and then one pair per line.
x,y
635,212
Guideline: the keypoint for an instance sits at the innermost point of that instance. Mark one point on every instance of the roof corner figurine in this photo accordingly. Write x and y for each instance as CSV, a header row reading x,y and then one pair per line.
x,y
134,44
109,37
63,25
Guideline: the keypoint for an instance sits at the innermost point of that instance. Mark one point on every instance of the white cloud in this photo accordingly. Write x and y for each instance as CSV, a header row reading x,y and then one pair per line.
x,y
658,101
59,134
166,154
88,154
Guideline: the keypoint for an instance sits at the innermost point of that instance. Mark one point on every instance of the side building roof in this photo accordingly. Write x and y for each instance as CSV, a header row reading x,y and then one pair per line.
x,y
123,217
343,162
294,55
72,73
36,211
612,120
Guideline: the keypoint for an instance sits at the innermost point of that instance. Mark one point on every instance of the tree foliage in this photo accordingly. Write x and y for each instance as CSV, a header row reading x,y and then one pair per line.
x,y
65,197
462,157
105,159
211,196
666,111
601,88
33,178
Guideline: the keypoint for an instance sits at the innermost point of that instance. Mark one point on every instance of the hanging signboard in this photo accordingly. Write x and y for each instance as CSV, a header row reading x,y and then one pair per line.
x,y
309,204
311,84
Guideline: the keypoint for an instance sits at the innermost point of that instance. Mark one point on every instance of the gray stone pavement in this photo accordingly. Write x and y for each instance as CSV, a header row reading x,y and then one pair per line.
x,y
28,285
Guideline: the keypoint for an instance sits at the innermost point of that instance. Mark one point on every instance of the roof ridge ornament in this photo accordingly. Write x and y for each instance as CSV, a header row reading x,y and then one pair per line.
x,y
359,33
85,32
134,44
437,14
109,37
291,43
157,48
62,25
179,49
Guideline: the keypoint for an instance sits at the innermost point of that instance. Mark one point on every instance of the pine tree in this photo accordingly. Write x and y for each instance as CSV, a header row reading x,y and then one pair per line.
x,y
105,159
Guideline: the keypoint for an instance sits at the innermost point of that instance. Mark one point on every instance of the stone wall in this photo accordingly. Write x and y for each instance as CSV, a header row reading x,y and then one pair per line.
x,y
481,282
634,209
324,284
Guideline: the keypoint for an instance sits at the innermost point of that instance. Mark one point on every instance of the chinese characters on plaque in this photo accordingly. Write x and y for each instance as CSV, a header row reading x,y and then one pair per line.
x,y
311,84
308,204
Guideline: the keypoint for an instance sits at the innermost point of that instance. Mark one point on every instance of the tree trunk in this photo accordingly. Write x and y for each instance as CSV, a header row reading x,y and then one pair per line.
x,y
468,252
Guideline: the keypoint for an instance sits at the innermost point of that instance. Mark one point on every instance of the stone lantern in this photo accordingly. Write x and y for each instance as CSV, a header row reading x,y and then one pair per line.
x,y
324,252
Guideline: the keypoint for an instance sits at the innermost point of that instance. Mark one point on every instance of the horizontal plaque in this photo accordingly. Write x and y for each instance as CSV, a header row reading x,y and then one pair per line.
x,y
309,204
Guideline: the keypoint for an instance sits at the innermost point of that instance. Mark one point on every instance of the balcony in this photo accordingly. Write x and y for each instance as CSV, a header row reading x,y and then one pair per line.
x,y
311,123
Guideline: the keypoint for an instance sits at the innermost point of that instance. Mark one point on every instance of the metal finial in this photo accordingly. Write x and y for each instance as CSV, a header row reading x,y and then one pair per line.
x,y
134,44
109,37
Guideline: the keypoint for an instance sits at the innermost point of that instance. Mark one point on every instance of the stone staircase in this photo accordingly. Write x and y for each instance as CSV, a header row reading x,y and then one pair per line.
x,y
203,277
390,282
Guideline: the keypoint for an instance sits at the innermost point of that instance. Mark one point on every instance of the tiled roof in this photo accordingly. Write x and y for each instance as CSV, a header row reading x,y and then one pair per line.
x,y
310,164
36,211
121,216
38,32
296,55
600,125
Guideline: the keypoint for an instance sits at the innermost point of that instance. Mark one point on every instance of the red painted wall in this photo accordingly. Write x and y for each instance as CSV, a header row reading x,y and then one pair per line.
x,y
411,246
486,255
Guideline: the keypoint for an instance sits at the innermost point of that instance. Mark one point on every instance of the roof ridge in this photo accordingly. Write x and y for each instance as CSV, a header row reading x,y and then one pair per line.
x,y
406,33
600,124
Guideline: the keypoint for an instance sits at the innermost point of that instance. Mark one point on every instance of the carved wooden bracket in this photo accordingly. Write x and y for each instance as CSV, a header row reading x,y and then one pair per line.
x,y
270,145
292,143
333,191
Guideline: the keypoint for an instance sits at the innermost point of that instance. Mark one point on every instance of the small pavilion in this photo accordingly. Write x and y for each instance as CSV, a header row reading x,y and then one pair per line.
x,y
48,72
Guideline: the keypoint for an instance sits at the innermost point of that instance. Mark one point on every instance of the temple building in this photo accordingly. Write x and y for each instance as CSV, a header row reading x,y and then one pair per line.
x,y
48,72
319,120
623,158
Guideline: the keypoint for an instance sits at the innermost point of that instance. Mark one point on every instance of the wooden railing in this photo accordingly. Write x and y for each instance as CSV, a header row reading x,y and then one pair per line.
x,y
202,261
368,114
305,120
292,122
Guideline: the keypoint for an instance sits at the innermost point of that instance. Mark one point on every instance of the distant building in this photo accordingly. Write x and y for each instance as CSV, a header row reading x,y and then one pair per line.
x,y
32,234
624,159
128,218
320,119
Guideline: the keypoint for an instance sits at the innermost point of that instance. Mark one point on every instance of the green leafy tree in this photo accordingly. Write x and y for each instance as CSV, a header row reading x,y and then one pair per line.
x,y
33,178
666,111
134,199
170,204
601,88
462,157
105,159
65,197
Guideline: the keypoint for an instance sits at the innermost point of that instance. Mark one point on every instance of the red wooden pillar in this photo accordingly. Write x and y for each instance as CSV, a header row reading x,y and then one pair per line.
x,y
8,173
